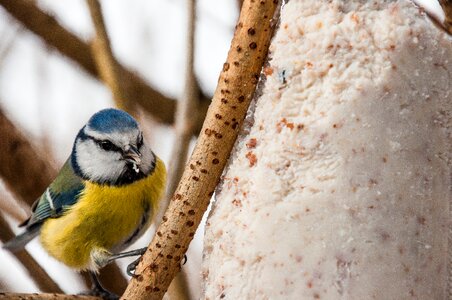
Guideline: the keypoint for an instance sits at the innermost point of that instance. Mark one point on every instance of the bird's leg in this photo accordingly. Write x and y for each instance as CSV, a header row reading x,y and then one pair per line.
x,y
131,267
98,290
135,252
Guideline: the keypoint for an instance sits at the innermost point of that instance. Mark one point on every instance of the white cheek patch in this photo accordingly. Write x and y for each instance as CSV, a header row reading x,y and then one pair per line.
x,y
97,164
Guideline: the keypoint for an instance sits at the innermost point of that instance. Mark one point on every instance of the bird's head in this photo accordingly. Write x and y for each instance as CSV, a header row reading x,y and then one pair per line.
x,y
110,149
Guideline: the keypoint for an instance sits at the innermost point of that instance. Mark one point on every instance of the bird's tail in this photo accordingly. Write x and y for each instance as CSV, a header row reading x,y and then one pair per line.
x,y
22,239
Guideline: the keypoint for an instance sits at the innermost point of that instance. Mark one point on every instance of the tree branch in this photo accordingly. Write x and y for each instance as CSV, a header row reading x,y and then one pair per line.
x,y
10,207
105,60
36,296
47,27
36,272
23,168
234,92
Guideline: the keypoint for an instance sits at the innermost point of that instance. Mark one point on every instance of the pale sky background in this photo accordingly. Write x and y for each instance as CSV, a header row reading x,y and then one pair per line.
x,y
47,95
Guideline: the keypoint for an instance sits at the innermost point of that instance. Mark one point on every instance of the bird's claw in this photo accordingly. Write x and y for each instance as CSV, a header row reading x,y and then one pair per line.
x,y
132,266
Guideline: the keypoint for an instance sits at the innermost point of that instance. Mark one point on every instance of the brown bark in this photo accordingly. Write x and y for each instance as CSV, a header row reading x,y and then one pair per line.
x,y
447,8
36,296
105,61
36,272
234,92
47,27
9,207
27,174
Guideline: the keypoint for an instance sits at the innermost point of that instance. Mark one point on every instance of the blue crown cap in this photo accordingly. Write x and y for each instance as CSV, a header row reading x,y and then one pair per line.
x,y
110,120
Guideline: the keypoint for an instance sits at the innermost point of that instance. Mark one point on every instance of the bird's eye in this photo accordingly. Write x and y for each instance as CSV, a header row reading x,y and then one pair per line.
x,y
140,141
107,145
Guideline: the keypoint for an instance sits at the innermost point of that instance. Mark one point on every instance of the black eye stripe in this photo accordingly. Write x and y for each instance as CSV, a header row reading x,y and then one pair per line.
x,y
108,146
102,144
140,141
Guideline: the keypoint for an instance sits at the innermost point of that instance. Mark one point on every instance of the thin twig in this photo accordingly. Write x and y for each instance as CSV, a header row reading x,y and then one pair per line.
x,y
160,107
234,92
36,272
105,61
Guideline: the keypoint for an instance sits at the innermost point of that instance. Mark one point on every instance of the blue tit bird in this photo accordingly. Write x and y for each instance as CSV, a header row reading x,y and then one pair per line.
x,y
102,200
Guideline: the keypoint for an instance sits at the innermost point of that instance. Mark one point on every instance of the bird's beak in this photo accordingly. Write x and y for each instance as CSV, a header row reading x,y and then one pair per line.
x,y
132,155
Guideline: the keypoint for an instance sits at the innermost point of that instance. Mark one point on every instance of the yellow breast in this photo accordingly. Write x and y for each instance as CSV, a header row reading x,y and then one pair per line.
x,y
104,217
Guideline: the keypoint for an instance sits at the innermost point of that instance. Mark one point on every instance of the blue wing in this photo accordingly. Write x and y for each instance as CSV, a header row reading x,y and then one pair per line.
x,y
62,193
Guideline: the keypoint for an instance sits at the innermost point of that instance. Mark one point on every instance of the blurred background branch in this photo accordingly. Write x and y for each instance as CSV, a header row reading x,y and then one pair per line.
x,y
186,116
160,107
36,272
24,169
106,63
447,8
12,208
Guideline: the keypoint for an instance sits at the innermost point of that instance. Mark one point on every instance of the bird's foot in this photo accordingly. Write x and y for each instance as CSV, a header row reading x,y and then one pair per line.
x,y
135,252
132,266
